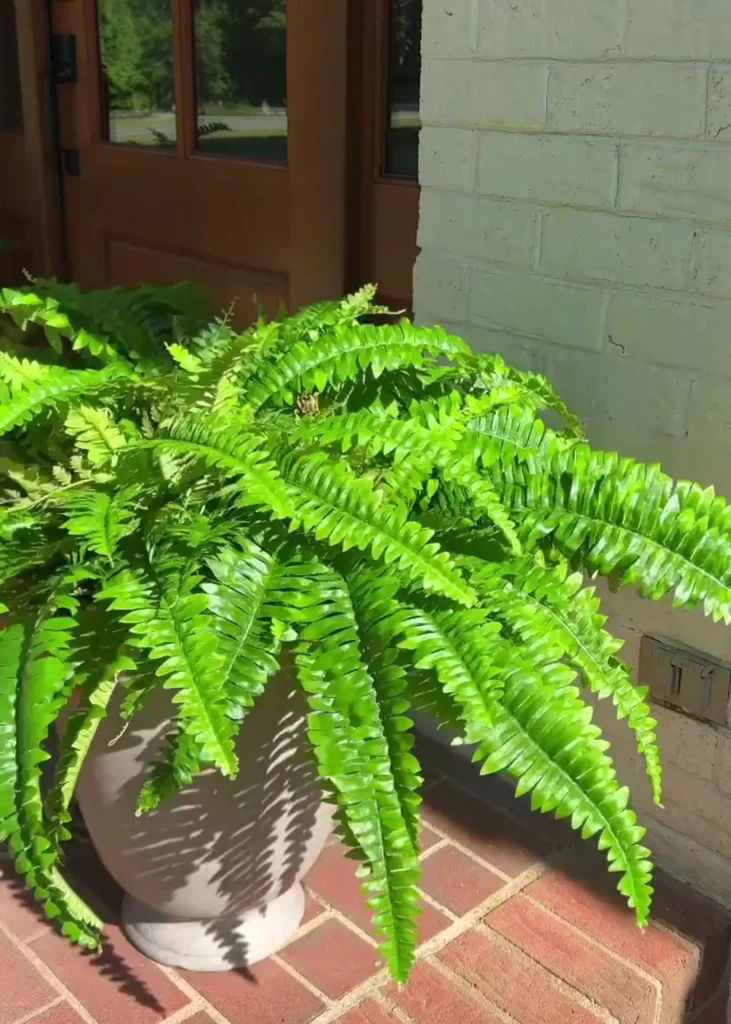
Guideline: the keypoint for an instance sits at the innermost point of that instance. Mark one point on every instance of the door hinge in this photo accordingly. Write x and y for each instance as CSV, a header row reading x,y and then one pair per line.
x,y
63,58
70,162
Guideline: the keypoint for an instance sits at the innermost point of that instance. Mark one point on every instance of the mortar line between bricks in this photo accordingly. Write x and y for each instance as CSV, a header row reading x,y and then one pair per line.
x,y
197,1001
36,1013
392,1008
605,950
560,984
304,980
434,848
470,991
433,945
450,841
314,922
695,144
437,905
47,974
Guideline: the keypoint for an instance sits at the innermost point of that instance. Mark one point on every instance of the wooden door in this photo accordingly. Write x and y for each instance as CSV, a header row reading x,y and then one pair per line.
x,y
229,141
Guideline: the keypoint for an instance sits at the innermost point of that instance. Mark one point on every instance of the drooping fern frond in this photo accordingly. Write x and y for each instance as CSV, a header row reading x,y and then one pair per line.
x,y
624,518
354,756
95,433
538,602
543,736
169,620
100,519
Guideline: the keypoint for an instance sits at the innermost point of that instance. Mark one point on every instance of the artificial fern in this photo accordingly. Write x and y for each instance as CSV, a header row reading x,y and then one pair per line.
x,y
373,509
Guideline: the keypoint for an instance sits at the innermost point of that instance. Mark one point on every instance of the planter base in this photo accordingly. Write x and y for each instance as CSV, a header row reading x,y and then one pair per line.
x,y
220,944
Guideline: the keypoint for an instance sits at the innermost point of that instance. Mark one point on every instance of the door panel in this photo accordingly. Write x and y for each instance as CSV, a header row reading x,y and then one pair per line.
x,y
246,143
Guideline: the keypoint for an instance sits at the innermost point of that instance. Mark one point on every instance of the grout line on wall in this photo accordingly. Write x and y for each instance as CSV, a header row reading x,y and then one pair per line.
x,y
474,24
616,178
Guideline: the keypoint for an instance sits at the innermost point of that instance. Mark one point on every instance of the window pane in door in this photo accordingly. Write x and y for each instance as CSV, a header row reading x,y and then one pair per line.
x,y
11,109
138,91
404,73
241,78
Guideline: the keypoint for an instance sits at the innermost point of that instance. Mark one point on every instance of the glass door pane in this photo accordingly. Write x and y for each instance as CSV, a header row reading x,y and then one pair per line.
x,y
11,108
138,90
404,74
241,78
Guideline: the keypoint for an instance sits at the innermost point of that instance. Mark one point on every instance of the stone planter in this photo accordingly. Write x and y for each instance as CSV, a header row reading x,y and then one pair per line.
x,y
212,877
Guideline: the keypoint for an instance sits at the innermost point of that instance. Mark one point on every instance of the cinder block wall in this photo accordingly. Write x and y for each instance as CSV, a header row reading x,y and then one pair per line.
x,y
576,217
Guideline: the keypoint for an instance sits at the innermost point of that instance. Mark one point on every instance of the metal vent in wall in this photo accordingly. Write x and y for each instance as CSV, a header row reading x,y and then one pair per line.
x,y
685,678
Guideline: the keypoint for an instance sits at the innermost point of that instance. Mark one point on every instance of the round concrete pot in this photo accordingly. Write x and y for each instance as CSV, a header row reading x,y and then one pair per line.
x,y
212,877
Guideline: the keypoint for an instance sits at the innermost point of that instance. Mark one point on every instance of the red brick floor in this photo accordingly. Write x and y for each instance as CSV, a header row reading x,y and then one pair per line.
x,y
519,926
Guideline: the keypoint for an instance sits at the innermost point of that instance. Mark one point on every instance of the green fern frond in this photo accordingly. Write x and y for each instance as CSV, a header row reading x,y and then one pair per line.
x,y
354,756
239,453
58,388
12,641
178,766
337,506
100,658
543,736
101,520
95,433
538,602
240,602
168,618
344,353
622,517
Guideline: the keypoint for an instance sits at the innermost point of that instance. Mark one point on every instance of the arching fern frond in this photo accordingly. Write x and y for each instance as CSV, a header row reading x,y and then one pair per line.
x,y
538,602
354,757
60,387
344,353
543,736
168,618
621,517
95,433
100,519
337,506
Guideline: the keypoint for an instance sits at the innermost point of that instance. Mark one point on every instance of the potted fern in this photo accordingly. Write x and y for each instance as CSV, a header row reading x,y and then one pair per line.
x,y
232,563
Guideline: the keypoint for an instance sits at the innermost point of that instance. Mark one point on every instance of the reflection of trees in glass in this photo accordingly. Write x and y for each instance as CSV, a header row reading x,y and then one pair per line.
x,y
137,54
241,50
405,52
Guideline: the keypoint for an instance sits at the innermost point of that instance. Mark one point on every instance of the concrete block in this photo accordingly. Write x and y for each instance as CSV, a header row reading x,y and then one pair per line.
x,y
686,743
441,288
679,29
446,29
719,102
537,307
447,158
672,331
603,246
482,229
472,93
548,168
712,262
628,98
549,28
671,180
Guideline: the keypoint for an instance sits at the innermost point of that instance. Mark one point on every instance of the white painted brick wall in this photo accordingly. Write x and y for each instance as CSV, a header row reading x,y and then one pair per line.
x,y
576,217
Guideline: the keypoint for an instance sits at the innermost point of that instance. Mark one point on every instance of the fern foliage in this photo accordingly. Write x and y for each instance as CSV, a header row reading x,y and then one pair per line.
x,y
373,510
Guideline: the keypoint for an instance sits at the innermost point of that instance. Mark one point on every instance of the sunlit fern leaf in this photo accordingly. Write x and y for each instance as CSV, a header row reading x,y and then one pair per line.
x,y
238,453
622,517
543,736
353,754
239,601
100,519
58,388
100,658
511,434
95,433
335,505
176,769
43,674
482,495
344,353
540,602
168,618
463,648
12,640
373,597
21,373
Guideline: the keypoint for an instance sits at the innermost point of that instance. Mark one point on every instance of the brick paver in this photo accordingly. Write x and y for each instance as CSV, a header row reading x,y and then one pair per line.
x,y
516,927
